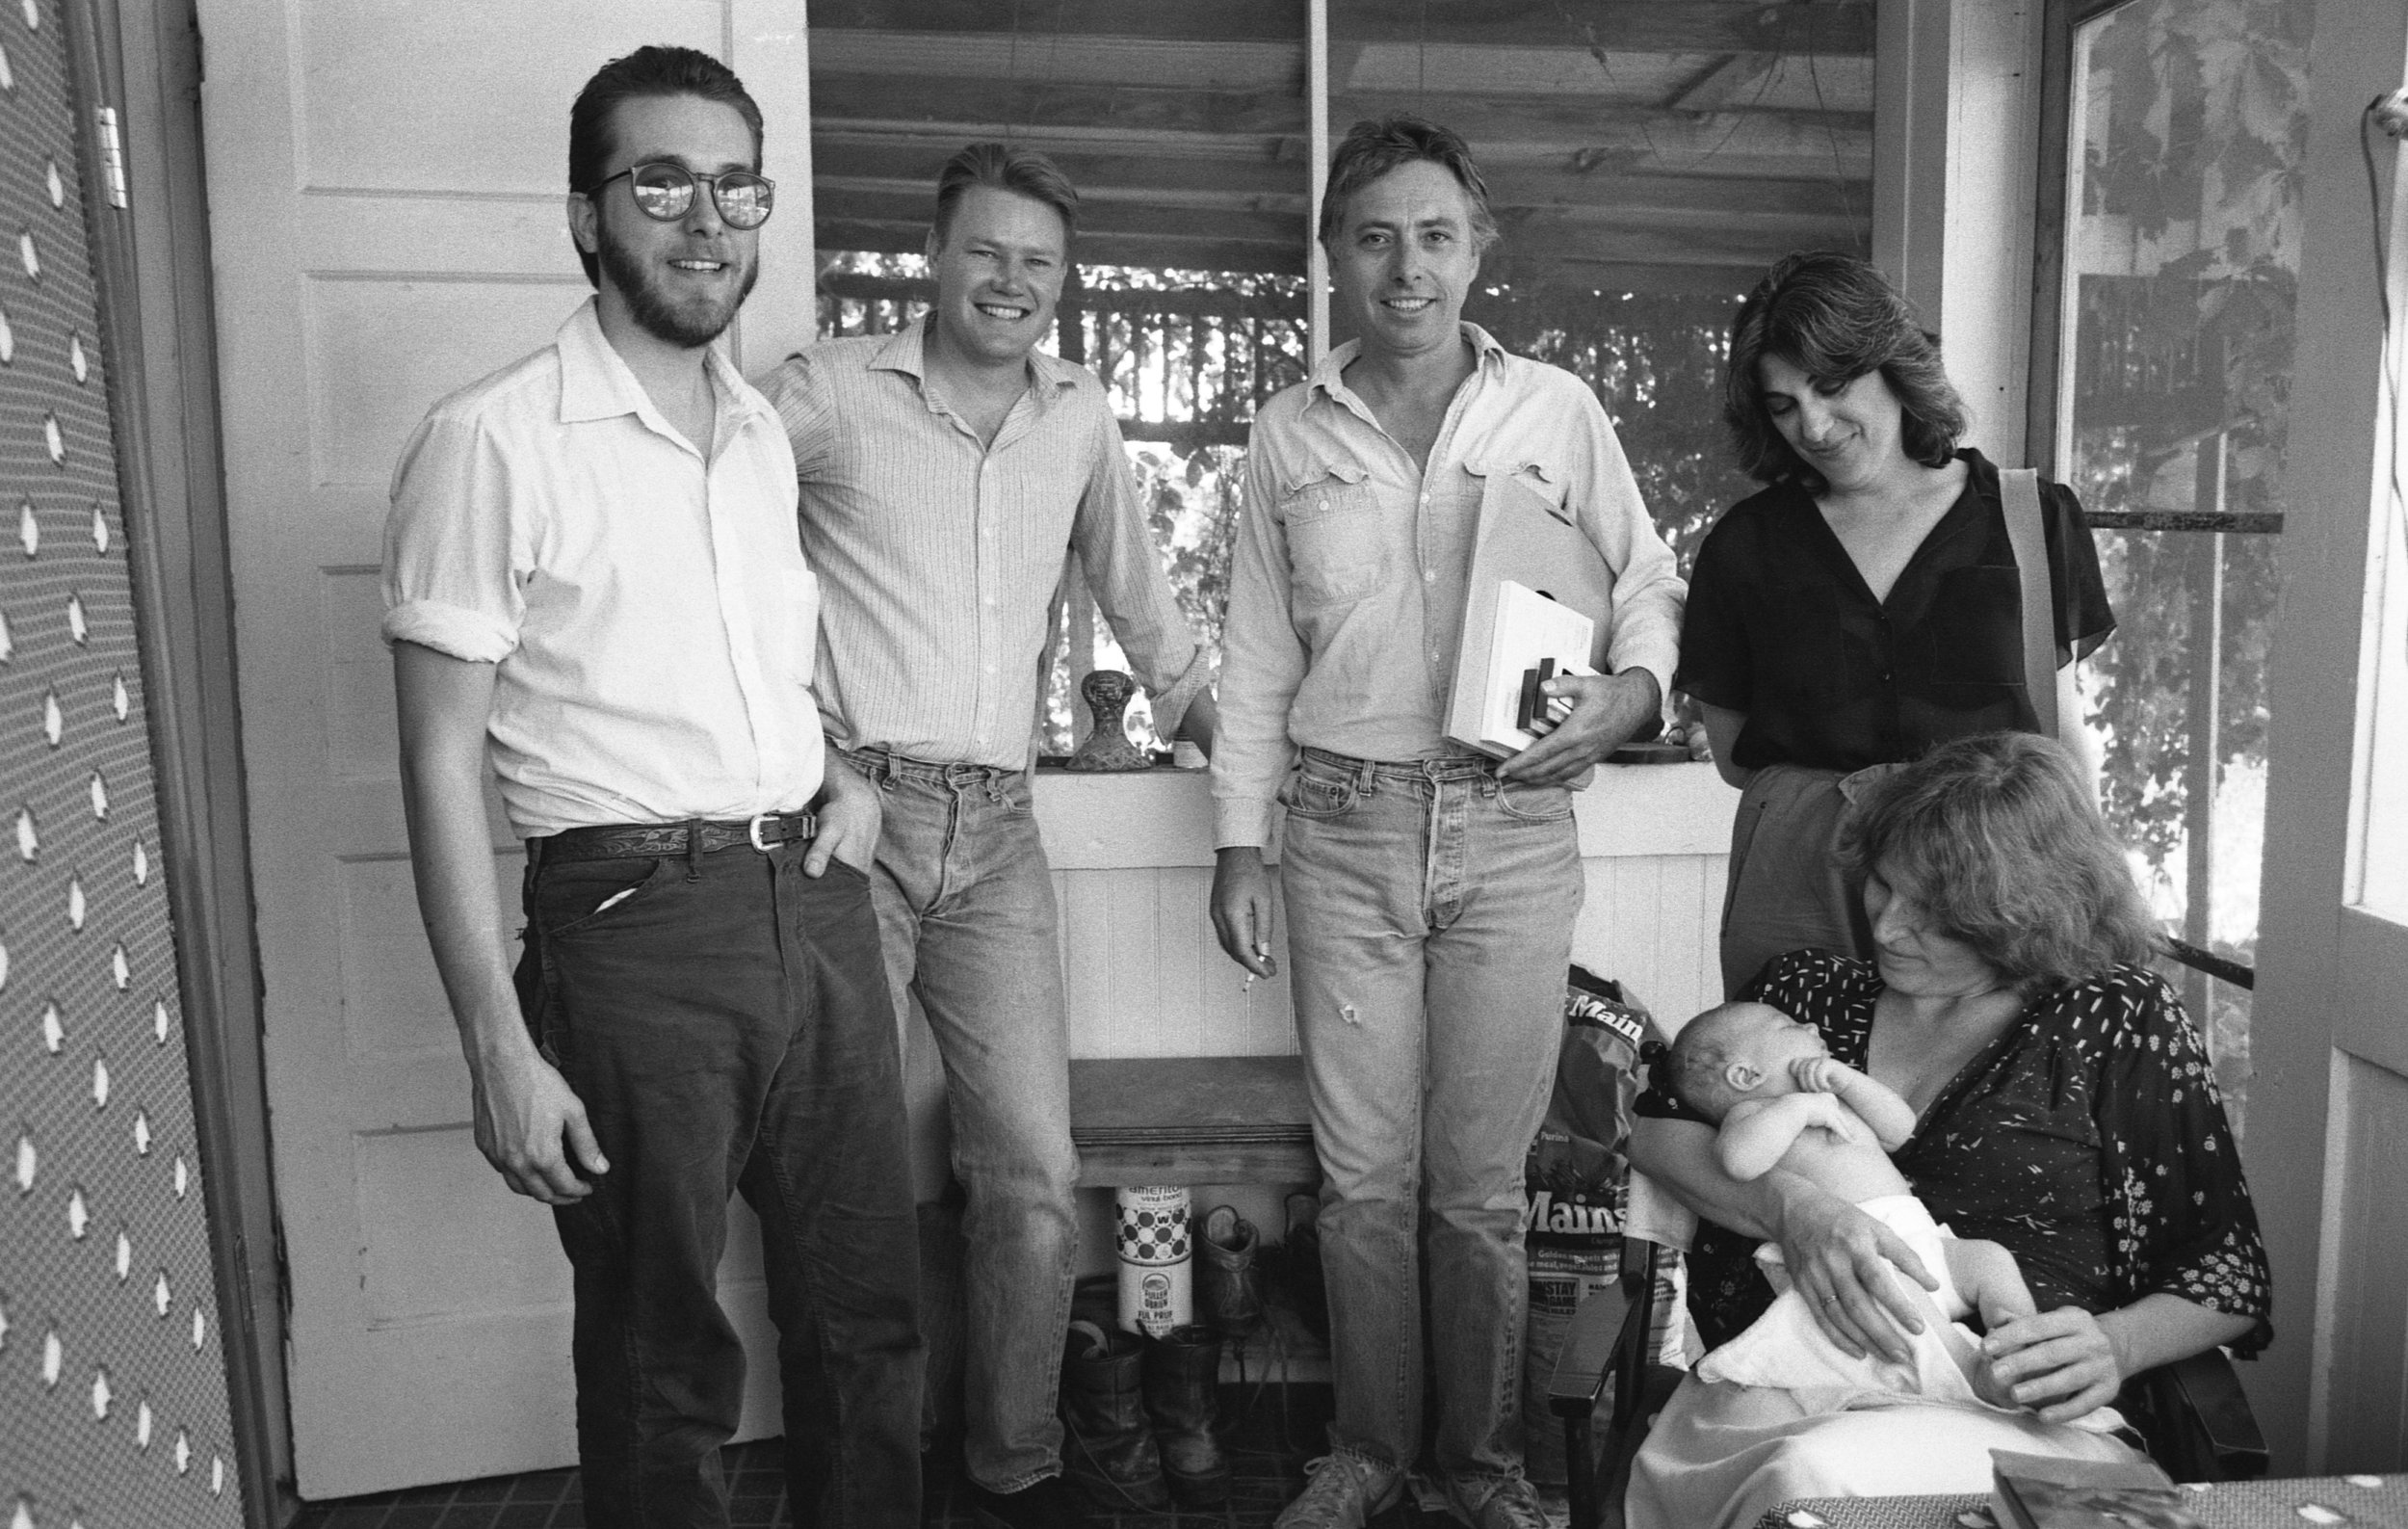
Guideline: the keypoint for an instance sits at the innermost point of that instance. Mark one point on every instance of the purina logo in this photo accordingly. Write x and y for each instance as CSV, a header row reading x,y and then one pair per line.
x,y
1549,1214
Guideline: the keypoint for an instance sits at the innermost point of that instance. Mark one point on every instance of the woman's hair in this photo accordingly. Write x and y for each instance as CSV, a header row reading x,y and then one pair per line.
x,y
1998,839
1371,149
1834,318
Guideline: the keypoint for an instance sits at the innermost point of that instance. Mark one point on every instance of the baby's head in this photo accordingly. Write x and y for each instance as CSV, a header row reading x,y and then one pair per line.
x,y
1737,1051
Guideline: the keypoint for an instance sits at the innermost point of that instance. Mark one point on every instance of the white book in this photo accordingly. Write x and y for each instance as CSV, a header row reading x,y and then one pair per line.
x,y
1535,636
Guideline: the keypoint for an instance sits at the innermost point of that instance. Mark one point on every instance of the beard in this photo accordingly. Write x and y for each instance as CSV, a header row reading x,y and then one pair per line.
x,y
692,321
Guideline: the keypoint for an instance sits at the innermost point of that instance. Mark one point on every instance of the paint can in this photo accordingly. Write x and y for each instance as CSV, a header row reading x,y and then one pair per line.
x,y
1157,1260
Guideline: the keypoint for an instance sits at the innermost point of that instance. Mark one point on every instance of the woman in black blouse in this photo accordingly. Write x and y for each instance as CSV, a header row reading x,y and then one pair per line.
x,y
1864,607
2065,1109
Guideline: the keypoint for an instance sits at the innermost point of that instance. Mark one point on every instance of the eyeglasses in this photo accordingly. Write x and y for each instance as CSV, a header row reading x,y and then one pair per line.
x,y
664,192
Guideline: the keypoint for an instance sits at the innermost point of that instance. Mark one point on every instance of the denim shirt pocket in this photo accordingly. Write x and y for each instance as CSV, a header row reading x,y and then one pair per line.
x,y
1336,553
1541,477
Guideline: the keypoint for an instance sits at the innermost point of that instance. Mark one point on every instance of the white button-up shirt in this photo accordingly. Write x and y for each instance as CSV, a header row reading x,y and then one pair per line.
x,y
648,608
1348,590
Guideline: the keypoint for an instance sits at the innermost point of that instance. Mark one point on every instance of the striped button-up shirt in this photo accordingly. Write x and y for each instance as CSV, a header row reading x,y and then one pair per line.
x,y
1347,598
940,553
646,607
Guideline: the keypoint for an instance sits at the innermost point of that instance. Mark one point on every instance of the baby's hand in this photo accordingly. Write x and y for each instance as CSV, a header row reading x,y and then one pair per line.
x,y
1813,1074
1838,1119
1987,1386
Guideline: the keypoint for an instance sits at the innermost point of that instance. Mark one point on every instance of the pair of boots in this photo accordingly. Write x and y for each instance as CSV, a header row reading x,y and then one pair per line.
x,y
1139,1412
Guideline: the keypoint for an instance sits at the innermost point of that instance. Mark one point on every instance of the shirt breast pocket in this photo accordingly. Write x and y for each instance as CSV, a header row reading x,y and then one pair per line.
x,y
1335,551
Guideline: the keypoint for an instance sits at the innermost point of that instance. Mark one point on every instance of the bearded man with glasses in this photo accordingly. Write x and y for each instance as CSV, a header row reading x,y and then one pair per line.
x,y
595,589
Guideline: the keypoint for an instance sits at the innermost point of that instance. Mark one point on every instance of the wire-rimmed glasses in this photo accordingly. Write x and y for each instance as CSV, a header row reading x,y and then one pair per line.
x,y
664,191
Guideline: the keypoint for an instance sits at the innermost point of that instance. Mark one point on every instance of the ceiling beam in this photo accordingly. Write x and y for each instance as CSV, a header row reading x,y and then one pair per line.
x,y
866,163
1776,81
1152,251
1530,237
959,110
1170,219
1638,26
1617,26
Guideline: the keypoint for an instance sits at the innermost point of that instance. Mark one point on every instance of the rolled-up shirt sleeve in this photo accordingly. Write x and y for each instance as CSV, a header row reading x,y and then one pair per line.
x,y
456,544
1648,589
1124,571
1263,660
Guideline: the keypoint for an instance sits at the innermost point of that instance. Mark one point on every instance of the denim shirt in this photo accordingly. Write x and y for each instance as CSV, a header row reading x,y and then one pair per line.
x,y
1347,592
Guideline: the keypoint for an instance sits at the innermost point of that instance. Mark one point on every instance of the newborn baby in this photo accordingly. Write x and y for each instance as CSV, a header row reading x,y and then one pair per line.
x,y
1779,1099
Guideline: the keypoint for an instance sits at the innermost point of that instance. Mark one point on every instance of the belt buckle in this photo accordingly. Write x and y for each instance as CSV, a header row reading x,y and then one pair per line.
x,y
752,832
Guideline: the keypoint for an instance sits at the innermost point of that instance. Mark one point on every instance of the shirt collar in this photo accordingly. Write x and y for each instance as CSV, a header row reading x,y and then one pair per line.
x,y
1328,378
905,350
596,383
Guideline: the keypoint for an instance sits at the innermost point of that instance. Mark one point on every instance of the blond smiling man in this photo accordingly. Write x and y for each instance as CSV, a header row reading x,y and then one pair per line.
x,y
946,469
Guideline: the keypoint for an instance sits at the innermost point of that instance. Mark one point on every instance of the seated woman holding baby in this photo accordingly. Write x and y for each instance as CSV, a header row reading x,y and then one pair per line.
x,y
2004,1064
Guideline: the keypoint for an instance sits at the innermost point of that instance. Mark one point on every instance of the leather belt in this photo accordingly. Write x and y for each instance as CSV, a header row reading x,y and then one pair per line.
x,y
665,840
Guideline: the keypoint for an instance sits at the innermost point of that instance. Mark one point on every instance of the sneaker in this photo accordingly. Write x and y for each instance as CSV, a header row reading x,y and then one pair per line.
x,y
1494,1502
1342,1491
1047,1504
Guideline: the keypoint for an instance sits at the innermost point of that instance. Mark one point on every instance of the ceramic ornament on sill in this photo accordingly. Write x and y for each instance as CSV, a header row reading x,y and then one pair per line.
x,y
1108,693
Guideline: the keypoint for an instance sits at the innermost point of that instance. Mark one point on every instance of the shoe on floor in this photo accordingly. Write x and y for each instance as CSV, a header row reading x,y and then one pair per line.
x,y
1047,1504
1342,1492
1493,1502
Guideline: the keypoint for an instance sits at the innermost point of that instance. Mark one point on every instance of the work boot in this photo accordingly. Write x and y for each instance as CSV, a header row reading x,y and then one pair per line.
x,y
1109,1452
1229,1291
1182,1395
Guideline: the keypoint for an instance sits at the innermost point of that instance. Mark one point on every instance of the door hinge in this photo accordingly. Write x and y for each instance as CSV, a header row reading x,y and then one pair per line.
x,y
113,156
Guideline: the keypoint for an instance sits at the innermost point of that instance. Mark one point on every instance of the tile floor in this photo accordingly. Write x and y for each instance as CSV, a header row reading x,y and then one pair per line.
x,y
1270,1431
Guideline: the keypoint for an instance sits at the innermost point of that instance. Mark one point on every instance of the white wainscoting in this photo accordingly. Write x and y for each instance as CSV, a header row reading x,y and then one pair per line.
x,y
1132,870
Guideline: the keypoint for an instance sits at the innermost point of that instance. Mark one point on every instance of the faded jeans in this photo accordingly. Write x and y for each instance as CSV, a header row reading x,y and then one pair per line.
x,y
1429,914
965,908
723,1018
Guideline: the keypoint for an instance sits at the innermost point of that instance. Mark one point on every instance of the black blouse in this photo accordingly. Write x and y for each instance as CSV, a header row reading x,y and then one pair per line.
x,y
1781,626
2089,1140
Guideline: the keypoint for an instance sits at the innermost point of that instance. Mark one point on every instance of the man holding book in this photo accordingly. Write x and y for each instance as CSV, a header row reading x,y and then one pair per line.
x,y
1429,890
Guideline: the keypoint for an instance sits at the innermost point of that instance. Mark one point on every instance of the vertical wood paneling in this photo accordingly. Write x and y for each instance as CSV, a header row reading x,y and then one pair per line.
x,y
1086,960
1183,903
2370,1331
1145,976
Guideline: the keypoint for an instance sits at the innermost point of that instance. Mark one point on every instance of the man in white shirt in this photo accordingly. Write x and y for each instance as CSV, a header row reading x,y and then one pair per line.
x,y
594,588
1429,892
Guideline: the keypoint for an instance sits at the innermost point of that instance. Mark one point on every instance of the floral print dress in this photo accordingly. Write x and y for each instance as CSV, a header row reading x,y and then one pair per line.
x,y
2089,1140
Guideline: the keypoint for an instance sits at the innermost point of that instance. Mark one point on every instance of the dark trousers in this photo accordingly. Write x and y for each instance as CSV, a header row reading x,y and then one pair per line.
x,y
727,1025
1786,889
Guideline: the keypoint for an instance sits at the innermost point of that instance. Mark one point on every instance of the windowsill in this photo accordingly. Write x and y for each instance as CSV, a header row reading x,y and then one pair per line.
x,y
1163,818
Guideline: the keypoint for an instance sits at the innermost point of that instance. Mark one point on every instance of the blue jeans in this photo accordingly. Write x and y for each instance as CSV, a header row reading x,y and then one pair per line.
x,y
1429,914
965,910
726,1024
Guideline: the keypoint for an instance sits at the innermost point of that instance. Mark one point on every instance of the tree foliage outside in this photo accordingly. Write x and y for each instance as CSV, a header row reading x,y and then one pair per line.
x,y
2185,257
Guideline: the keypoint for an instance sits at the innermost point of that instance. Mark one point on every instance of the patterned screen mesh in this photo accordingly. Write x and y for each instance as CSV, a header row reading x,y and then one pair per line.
x,y
113,1398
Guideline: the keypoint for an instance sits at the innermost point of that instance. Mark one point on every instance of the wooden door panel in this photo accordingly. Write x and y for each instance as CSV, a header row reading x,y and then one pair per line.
x,y
437,97
380,348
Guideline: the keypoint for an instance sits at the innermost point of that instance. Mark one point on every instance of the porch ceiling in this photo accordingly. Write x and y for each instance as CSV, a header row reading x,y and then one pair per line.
x,y
1649,145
